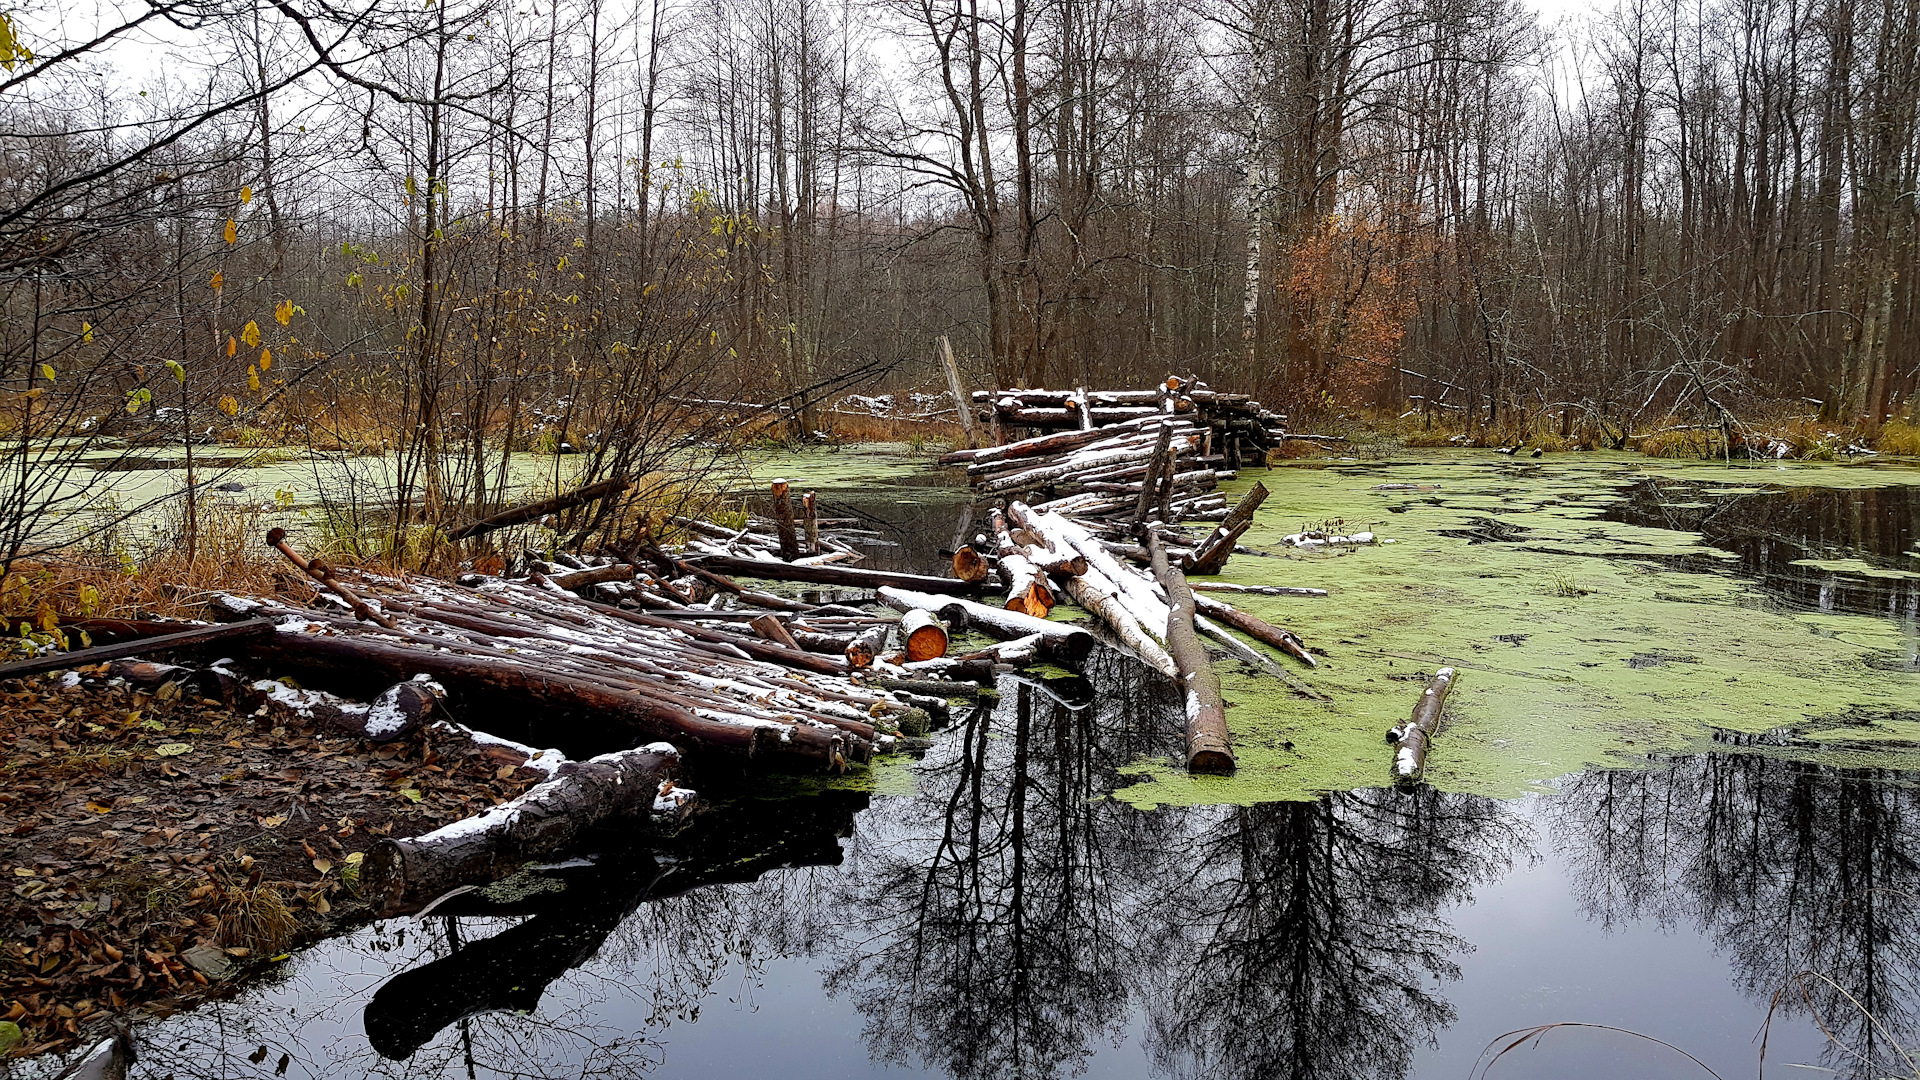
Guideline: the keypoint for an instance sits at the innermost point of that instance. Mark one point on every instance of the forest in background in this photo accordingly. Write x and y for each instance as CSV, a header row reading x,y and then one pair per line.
x,y
451,229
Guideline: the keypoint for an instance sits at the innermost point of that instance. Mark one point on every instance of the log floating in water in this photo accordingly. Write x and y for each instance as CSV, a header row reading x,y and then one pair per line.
x,y
530,511
632,785
1208,747
1410,760
1060,641
1257,628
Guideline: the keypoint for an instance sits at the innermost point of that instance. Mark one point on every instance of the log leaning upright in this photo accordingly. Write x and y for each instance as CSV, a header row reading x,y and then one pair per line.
x,y
1208,748
783,518
1212,554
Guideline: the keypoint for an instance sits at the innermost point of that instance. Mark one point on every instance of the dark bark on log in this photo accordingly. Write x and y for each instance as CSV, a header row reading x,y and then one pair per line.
x,y
633,785
754,647
398,710
1257,628
1212,554
1410,760
783,520
1208,748
1159,461
533,510
318,570
845,576
154,646
810,519
583,579
866,647
508,698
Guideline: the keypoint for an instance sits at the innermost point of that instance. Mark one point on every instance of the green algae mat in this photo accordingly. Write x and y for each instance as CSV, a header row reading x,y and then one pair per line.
x,y
1583,637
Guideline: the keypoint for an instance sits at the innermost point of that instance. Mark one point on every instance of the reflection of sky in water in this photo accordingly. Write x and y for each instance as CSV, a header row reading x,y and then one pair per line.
x,y
1312,939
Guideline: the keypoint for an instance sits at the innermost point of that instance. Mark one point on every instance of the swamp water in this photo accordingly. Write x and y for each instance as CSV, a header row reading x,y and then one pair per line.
x,y
1675,774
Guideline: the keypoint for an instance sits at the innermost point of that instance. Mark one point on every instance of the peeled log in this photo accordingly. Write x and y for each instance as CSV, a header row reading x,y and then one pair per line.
x,y
547,820
1411,759
1208,748
846,576
926,639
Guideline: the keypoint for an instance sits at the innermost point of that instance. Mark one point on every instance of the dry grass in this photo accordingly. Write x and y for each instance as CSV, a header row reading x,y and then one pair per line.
x,y
255,917
1899,437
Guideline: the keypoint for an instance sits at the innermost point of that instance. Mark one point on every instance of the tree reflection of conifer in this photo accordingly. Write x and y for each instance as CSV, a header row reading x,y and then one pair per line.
x,y
1790,867
1303,940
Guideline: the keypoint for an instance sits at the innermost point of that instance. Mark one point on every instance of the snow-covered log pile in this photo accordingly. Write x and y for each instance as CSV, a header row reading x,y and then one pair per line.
x,y
720,678
1236,425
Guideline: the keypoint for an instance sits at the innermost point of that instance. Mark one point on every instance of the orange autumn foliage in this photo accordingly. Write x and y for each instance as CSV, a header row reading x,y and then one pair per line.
x,y
1349,298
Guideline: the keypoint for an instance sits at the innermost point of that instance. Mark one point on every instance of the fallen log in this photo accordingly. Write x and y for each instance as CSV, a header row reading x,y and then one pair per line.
x,y
1061,641
153,646
1027,589
1161,460
845,576
1212,553
1208,747
597,575
924,637
770,627
1413,736
398,710
632,785
1250,655
1258,590
865,648
1257,628
532,510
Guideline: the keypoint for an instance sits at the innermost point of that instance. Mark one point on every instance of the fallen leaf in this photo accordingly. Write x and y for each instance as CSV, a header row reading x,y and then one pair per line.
x,y
325,866
21,871
173,749
275,821
411,794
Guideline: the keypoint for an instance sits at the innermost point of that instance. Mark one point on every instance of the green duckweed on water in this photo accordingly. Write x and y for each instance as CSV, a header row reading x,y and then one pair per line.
x,y
1580,641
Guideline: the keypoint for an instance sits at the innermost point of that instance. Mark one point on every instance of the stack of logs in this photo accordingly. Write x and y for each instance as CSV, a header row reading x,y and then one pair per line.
x,y
1236,425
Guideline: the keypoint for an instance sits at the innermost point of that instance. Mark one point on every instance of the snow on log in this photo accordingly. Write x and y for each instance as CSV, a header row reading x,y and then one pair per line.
x,y
628,786
1212,553
1208,747
1410,760
1062,641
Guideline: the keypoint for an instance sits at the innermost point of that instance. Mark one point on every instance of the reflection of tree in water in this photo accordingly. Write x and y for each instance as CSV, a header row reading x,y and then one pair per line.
x,y
1280,940
1790,866
1000,939
1304,943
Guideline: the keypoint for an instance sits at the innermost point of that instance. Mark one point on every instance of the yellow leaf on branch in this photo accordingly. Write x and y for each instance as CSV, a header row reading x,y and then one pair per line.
x,y
233,347
250,334
284,313
233,231
219,281
229,406
246,195
266,359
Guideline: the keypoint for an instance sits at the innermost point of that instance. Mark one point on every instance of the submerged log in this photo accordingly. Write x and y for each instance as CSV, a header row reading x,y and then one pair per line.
x,y
153,646
1208,748
632,785
532,510
1410,761
845,576
1212,553
924,637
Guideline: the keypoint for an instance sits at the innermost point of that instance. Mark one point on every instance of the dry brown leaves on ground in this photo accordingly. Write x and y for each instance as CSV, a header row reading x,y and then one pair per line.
x,y
153,850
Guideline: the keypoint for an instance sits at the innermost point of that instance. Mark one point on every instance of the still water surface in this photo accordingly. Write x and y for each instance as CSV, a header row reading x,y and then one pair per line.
x,y
1013,905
